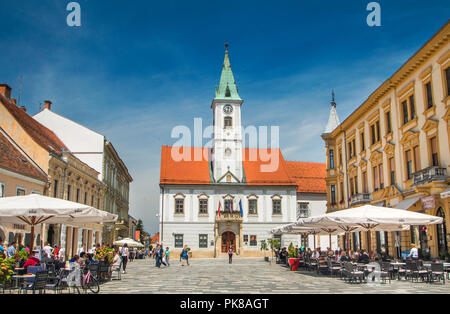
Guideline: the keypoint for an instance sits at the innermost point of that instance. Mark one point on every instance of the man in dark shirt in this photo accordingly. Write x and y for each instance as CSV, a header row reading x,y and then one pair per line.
x,y
364,257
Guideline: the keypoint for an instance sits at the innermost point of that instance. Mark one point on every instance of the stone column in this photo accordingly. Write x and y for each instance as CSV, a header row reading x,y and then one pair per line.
x,y
69,237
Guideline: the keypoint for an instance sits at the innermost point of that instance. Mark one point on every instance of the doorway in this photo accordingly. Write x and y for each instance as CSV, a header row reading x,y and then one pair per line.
x,y
228,239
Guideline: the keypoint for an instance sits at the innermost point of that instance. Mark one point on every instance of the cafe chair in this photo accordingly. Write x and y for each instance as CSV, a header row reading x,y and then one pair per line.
x,y
437,272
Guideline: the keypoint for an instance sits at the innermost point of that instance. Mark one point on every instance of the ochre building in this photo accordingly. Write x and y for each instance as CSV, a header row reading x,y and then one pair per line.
x,y
393,151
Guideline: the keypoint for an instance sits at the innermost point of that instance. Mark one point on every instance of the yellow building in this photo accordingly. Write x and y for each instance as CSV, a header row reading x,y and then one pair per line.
x,y
19,175
393,151
67,176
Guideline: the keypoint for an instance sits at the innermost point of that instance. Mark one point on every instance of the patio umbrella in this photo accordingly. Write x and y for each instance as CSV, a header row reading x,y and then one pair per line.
x,y
36,209
129,242
370,218
293,228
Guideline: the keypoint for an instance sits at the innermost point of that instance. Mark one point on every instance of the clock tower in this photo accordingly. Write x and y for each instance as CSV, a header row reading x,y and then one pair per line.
x,y
227,143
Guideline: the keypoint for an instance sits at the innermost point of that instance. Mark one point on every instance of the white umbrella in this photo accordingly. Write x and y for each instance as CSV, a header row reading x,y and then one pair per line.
x,y
129,242
370,218
35,209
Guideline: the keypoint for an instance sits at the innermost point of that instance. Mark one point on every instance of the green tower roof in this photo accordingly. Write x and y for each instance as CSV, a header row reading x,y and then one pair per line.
x,y
227,86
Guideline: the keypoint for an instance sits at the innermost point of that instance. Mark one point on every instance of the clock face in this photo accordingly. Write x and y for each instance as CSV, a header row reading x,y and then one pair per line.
x,y
228,109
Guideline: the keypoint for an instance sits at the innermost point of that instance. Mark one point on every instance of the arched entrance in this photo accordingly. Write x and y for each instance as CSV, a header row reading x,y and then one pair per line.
x,y
441,233
228,239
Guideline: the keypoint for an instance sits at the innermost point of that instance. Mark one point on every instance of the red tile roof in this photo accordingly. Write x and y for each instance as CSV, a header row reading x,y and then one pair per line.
x,y
40,134
184,172
13,159
310,176
258,171
197,172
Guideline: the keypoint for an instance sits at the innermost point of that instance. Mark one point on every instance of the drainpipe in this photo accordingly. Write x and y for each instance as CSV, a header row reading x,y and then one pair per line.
x,y
162,217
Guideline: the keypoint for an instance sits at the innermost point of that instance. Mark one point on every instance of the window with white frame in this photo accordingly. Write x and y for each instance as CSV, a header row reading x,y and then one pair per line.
x,y
203,206
2,189
276,205
21,191
302,210
253,206
179,206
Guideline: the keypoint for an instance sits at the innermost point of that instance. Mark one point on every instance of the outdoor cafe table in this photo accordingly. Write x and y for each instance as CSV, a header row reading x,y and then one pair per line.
x,y
22,277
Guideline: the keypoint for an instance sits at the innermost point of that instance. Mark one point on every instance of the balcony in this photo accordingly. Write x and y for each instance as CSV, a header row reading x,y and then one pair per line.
x,y
430,174
360,198
227,216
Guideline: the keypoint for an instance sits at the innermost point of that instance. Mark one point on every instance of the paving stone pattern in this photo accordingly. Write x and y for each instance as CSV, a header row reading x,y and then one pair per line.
x,y
245,275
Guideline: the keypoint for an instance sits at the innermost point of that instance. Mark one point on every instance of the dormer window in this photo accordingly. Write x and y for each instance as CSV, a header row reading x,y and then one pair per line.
x,y
227,92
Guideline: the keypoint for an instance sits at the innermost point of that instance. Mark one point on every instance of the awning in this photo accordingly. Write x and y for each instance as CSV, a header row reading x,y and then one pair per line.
x,y
445,194
407,203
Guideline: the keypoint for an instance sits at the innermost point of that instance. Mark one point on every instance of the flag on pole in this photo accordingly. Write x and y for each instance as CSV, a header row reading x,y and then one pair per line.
x,y
240,207
219,208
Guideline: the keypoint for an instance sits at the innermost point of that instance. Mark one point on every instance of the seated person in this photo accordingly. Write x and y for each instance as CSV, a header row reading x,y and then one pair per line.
x,y
75,260
343,257
117,259
364,257
32,260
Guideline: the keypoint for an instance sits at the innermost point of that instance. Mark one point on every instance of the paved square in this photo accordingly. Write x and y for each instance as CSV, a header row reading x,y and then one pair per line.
x,y
245,275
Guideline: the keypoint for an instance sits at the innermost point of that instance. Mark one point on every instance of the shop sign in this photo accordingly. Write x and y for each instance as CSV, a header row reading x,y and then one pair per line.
x,y
19,227
428,202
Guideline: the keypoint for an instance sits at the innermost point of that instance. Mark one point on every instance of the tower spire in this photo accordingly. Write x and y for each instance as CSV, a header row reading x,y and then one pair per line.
x,y
333,120
227,86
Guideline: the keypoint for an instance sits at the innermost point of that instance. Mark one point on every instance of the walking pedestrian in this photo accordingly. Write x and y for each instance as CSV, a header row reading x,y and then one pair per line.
x,y
158,255
230,255
184,255
124,252
166,254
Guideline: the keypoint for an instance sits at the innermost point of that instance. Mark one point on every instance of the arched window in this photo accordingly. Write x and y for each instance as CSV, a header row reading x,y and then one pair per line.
x,y
228,122
228,178
441,233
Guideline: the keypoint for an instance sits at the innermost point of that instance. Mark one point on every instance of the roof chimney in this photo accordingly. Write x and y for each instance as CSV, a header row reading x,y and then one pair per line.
x,y
14,101
5,90
47,104
23,108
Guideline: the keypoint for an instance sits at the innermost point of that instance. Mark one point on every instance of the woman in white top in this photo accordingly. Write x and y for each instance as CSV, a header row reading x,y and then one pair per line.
x,y
124,252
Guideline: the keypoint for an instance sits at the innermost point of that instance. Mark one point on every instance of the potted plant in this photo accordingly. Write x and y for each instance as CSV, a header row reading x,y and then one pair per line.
x,y
274,245
292,257
264,247
6,269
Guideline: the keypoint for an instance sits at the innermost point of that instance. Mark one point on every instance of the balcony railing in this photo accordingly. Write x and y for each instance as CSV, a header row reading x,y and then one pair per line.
x,y
360,198
226,215
430,174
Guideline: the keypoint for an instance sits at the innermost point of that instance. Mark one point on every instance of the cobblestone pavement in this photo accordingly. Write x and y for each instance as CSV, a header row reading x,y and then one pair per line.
x,y
245,275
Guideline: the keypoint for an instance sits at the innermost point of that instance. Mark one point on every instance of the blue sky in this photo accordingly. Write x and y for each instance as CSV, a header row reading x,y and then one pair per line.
x,y
136,69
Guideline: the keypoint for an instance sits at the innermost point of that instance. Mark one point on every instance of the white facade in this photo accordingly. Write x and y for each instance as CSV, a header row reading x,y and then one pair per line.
x,y
317,205
189,212
192,223
227,142
76,137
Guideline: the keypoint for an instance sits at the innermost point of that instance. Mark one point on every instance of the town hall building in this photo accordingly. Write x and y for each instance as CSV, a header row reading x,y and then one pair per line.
x,y
237,178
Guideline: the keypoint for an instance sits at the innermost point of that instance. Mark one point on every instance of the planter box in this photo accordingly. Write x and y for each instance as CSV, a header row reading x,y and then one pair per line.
x,y
293,263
